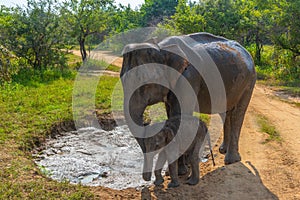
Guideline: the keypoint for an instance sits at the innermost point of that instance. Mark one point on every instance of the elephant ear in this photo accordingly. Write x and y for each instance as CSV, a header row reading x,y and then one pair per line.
x,y
133,47
132,52
175,57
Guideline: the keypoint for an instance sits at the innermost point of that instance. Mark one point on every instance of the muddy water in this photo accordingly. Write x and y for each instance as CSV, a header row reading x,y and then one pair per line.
x,y
94,157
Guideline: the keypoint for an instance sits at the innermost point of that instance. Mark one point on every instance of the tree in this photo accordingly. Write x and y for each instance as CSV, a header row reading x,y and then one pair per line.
x,y
288,35
35,34
7,68
222,17
123,19
84,18
260,17
187,19
154,11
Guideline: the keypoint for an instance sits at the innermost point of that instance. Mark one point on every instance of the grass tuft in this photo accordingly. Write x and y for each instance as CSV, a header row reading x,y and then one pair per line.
x,y
267,127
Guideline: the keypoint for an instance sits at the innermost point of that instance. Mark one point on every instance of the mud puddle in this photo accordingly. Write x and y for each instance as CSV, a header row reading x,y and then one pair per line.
x,y
95,157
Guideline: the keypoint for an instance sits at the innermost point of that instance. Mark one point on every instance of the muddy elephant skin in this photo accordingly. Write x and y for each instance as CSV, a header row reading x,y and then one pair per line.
x,y
236,68
167,135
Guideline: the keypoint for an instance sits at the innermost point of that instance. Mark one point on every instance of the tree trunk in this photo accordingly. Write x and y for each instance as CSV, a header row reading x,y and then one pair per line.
x,y
259,47
82,48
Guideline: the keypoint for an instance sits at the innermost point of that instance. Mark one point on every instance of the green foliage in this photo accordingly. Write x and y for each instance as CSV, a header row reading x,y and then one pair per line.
x,y
287,37
154,11
223,17
124,19
204,117
277,65
34,33
287,66
83,18
34,78
8,65
186,20
264,27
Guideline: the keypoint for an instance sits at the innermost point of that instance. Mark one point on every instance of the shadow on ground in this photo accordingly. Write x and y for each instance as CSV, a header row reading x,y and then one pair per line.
x,y
235,181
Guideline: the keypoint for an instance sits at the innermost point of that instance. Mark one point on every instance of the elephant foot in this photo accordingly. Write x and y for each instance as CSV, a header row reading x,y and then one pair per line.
x,y
193,181
158,182
223,148
182,170
232,158
173,184
147,176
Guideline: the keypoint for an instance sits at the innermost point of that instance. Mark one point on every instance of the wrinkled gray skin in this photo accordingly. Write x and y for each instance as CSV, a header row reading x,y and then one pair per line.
x,y
235,66
166,135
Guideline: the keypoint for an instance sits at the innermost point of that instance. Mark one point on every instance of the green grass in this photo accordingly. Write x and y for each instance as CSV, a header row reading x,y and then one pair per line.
x,y
155,113
267,127
113,68
28,112
204,117
29,107
34,78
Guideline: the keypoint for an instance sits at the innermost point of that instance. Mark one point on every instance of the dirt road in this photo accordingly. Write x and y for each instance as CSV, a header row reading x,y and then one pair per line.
x,y
103,55
268,170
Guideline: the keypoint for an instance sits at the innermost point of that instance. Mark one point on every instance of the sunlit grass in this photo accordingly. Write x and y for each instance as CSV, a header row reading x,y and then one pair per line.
x,y
28,111
267,127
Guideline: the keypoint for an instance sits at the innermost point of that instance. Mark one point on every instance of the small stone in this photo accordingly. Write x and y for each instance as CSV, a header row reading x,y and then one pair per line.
x,y
104,175
58,145
83,151
49,152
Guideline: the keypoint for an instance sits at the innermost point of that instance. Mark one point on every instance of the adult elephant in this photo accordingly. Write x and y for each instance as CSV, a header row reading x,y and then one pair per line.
x,y
220,71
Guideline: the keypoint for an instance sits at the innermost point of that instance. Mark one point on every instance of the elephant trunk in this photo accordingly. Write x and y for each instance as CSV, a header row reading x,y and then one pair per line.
x,y
135,121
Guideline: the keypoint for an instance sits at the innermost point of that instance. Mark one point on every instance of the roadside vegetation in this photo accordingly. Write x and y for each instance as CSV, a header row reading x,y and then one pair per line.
x,y
29,110
267,127
37,70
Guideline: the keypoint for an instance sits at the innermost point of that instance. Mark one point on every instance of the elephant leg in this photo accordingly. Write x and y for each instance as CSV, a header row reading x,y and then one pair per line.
x,y
194,178
158,168
194,160
173,168
182,167
227,132
236,120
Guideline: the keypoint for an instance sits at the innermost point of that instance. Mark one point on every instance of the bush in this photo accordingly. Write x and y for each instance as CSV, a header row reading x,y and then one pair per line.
x,y
278,65
31,77
8,65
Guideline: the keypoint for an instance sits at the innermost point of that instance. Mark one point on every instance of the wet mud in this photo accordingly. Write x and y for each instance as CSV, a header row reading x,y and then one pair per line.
x,y
94,157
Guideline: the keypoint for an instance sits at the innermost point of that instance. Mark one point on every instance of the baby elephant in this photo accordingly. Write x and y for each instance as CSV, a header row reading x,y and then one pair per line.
x,y
178,136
